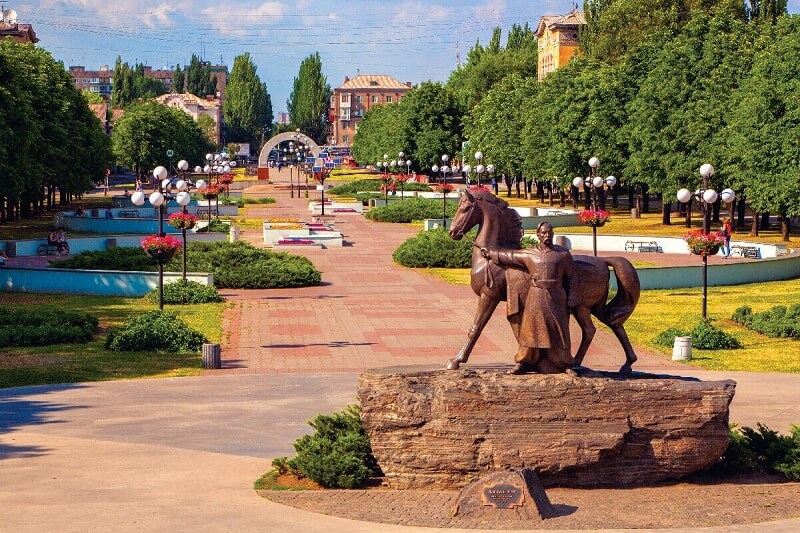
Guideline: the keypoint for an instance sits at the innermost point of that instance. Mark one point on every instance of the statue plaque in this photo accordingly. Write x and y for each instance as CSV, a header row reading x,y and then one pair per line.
x,y
503,496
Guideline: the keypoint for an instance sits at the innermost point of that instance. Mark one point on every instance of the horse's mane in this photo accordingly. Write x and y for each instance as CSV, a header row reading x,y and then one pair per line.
x,y
510,222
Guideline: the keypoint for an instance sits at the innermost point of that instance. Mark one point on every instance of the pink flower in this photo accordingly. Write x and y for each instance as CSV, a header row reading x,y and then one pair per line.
x,y
594,217
182,220
156,243
700,243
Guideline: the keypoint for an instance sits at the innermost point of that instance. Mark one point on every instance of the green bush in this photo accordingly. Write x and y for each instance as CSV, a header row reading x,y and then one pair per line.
x,y
704,337
42,327
216,226
188,292
236,265
338,454
157,331
411,210
761,450
265,200
778,321
435,248
353,187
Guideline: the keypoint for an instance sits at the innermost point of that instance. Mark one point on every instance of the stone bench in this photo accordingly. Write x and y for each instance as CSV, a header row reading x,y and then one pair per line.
x,y
130,213
47,249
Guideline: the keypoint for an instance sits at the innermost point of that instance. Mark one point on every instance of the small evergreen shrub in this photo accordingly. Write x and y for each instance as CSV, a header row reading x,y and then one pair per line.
x,y
42,327
188,292
264,200
776,322
411,209
216,226
125,258
705,336
337,455
157,331
353,187
761,450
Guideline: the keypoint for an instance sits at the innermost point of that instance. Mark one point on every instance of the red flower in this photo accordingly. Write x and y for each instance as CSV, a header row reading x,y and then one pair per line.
x,y
443,187
182,220
155,243
473,188
226,179
594,217
703,244
212,190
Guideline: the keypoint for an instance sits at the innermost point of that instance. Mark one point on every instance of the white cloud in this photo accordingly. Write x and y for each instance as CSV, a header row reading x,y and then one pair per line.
x,y
227,17
414,12
491,11
159,16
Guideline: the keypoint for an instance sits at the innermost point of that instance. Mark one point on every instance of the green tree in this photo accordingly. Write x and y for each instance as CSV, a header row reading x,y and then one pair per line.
x,y
92,97
248,106
131,84
209,127
309,100
146,131
380,132
178,80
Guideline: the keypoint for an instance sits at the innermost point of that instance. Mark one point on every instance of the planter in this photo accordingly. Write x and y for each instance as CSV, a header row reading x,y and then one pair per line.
x,y
162,255
712,250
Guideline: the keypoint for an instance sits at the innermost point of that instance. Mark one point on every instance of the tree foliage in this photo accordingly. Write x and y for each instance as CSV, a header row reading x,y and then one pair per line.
x,y
130,84
199,80
146,131
248,106
309,100
52,146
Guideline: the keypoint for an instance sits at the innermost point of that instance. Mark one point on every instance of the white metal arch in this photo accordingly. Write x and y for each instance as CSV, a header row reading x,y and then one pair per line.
x,y
263,157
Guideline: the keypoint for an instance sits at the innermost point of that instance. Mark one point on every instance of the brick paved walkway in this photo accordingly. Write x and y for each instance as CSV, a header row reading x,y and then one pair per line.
x,y
369,311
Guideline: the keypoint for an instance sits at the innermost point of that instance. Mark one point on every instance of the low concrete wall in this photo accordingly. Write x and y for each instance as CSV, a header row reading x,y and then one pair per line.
x,y
147,222
84,244
92,282
738,273
669,245
557,221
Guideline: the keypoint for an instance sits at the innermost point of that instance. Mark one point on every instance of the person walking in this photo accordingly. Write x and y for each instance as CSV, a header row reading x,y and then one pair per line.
x,y
725,231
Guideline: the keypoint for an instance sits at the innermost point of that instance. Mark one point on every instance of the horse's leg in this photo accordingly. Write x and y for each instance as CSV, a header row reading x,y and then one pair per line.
x,y
584,319
630,355
486,306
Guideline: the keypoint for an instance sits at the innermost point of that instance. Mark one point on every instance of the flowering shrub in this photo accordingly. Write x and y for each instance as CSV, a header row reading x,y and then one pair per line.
x,y
212,190
182,220
155,244
443,187
594,218
703,244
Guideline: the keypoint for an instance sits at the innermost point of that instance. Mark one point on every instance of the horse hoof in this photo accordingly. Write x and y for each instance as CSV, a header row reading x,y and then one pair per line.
x,y
625,369
520,368
453,365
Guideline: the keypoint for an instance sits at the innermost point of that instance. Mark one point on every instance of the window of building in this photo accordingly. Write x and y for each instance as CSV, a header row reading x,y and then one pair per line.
x,y
358,98
345,98
388,98
346,125
345,112
374,99
345,139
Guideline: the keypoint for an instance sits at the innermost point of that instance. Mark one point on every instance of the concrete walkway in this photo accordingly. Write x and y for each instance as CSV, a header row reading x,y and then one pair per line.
x,y
182,454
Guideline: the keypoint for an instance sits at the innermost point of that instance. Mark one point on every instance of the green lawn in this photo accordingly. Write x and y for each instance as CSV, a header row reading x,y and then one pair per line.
x,y
66,363
659,310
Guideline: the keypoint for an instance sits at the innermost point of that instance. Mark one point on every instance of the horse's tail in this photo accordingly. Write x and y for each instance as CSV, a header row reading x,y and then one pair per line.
x,y
617,311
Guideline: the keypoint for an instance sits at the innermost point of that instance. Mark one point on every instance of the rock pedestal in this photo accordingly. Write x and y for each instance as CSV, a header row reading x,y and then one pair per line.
x,y
443,429
505,495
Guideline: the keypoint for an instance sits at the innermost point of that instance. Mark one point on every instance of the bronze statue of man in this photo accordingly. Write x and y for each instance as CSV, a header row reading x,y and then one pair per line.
x,y
544,341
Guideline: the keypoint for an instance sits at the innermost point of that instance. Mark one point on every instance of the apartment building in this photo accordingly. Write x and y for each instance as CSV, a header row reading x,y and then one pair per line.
x,y
355,97
96,81
9,27
558,40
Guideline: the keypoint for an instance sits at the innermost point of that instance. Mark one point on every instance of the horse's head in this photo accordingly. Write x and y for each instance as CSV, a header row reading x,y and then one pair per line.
x,y
468,215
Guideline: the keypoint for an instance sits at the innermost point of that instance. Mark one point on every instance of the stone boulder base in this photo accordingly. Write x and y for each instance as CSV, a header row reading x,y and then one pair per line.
x,y
443,429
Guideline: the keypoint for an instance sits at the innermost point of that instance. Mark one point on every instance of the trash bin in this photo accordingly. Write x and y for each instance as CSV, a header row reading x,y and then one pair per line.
x,y
682,349
235,233
635,213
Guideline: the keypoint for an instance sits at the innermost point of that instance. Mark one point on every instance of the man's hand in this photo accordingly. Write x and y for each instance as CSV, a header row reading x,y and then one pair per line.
x,y
486,253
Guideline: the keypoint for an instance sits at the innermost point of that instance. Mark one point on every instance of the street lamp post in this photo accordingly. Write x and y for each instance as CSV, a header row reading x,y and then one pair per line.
x,y
593,184
707,196
443,169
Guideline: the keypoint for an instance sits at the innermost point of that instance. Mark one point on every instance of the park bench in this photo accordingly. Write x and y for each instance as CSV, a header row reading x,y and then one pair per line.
x,y
47,249
129,213
751,252
643,246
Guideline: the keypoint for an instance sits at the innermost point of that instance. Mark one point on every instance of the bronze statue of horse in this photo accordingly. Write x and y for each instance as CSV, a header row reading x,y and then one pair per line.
x,y
501,227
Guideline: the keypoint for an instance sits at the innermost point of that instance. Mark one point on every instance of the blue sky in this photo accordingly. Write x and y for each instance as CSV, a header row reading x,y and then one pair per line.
x,y
412,40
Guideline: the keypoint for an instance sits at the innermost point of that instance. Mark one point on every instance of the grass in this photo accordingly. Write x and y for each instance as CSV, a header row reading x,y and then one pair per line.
x,y
659,310
69,363
352,174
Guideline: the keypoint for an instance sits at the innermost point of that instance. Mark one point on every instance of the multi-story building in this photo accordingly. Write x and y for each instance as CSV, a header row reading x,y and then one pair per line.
x,y
558,40
195,107
96,81
355,97
21,33
284,119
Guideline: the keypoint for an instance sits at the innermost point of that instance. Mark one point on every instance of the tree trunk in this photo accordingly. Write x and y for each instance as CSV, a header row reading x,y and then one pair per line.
x,y
562,198
754,227
587,197
764,221
666,207
602,194
646,197
631,205
740,211
688,214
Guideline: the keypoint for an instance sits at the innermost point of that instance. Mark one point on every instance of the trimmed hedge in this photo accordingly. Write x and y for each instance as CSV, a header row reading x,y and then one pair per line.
x,y
188,292
435,248
412,209
236,265
157,331
42,327
778,321
351,188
